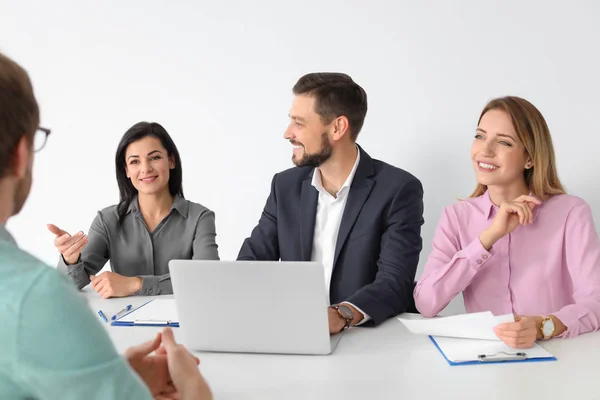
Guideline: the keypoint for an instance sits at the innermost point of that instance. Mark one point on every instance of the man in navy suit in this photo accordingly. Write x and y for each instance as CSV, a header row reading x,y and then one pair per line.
x,y
360,217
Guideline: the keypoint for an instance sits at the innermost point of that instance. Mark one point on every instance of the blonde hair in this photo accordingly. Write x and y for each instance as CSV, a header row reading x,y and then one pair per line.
x,y
532,131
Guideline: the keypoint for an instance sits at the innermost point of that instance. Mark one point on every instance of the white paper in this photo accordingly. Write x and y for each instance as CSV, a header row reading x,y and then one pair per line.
x,y
464,350
158,310
470,326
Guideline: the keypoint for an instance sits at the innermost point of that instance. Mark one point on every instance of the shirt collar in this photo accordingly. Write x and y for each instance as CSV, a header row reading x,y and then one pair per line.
x,y
180,204
318,184
489,209
5,236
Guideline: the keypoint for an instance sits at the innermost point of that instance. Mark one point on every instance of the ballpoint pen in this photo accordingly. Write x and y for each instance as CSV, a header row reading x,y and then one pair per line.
x,y
101,314
120,313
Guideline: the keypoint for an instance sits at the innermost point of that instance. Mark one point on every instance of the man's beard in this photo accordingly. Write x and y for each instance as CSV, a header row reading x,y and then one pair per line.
x,y
315,160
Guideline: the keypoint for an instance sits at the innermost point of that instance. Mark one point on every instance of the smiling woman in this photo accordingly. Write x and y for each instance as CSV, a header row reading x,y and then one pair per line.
x,y
151,225
519,245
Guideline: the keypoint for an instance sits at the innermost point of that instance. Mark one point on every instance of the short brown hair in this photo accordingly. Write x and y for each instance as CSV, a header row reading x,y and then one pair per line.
x,y
19,111
335,94
532,130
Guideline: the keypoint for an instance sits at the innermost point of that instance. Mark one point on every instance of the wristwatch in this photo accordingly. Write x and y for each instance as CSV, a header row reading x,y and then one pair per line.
x,y
547,327
345,313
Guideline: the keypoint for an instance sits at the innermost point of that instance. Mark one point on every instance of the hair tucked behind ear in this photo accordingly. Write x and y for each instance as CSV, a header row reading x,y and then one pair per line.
x,y
532,130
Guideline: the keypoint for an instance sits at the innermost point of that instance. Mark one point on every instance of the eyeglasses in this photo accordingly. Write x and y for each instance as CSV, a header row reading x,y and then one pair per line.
x,y
40,138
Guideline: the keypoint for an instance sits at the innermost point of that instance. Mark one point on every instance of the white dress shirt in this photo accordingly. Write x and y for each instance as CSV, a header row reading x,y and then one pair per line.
x,y
330,210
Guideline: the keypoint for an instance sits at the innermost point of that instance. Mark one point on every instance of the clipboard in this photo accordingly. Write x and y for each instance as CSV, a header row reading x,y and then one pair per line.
x,y
458,351
156,312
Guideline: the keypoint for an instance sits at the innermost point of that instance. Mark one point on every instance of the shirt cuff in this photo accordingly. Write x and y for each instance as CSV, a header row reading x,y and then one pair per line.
x,y
76,272
149,286
477,254
366,316
62,264
570,316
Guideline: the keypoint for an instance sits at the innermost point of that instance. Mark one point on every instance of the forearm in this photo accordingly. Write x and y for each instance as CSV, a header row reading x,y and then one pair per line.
x,y
261,245
382,299
578,318
77,272
196,390
155,285
205,238
582,258
488,239
247,252
443,281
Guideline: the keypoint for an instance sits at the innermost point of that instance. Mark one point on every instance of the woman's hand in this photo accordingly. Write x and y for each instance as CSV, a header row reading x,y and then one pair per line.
x,y
110,284
520,334
68,246
510,215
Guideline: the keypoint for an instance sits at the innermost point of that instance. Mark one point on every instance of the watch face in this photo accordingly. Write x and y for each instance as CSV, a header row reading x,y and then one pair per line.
x,y
548,328
346,312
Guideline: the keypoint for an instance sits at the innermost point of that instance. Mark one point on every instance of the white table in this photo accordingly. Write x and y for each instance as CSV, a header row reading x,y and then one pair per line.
x,y
387,362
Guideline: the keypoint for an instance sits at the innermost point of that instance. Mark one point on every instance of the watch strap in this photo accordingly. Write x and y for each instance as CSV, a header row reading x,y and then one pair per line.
x,y
348,320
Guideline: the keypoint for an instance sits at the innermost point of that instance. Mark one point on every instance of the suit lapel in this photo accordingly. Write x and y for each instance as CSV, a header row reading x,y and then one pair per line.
x,y
308,213
361,187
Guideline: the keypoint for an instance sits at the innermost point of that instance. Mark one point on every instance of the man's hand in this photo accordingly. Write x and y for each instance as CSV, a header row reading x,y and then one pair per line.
x,y
183,366
110,284
153,370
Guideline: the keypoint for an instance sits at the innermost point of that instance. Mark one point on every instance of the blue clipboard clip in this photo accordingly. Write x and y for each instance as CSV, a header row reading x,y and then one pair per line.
x,y
520,356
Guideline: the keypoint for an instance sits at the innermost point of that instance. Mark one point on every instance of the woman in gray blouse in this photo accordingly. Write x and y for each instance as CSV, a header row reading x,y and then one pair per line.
x,y
152,224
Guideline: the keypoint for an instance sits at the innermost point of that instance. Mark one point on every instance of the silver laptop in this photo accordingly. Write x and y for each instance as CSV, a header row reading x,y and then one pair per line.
x,y
252,306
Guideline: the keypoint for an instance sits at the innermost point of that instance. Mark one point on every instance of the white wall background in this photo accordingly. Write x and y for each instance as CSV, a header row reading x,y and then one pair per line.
x,y
218,76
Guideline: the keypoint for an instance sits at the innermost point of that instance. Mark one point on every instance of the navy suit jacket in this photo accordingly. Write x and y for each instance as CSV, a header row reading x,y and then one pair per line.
x,y
379,241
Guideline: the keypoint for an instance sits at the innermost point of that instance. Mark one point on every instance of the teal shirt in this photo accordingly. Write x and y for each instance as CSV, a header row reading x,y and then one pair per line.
x,y
52,345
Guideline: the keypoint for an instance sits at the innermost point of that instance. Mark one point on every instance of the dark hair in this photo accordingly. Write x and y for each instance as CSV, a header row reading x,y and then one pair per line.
x,y
19,111
336,94
136,132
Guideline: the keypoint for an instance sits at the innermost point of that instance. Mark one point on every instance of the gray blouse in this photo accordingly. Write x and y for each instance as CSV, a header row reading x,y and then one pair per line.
x,y
188,232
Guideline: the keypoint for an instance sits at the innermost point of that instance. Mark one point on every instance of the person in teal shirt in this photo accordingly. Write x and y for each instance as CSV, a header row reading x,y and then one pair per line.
x,y
53,346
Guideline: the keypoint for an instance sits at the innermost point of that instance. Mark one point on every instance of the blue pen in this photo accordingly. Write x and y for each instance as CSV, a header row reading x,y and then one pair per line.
x,y
120,313
101,314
